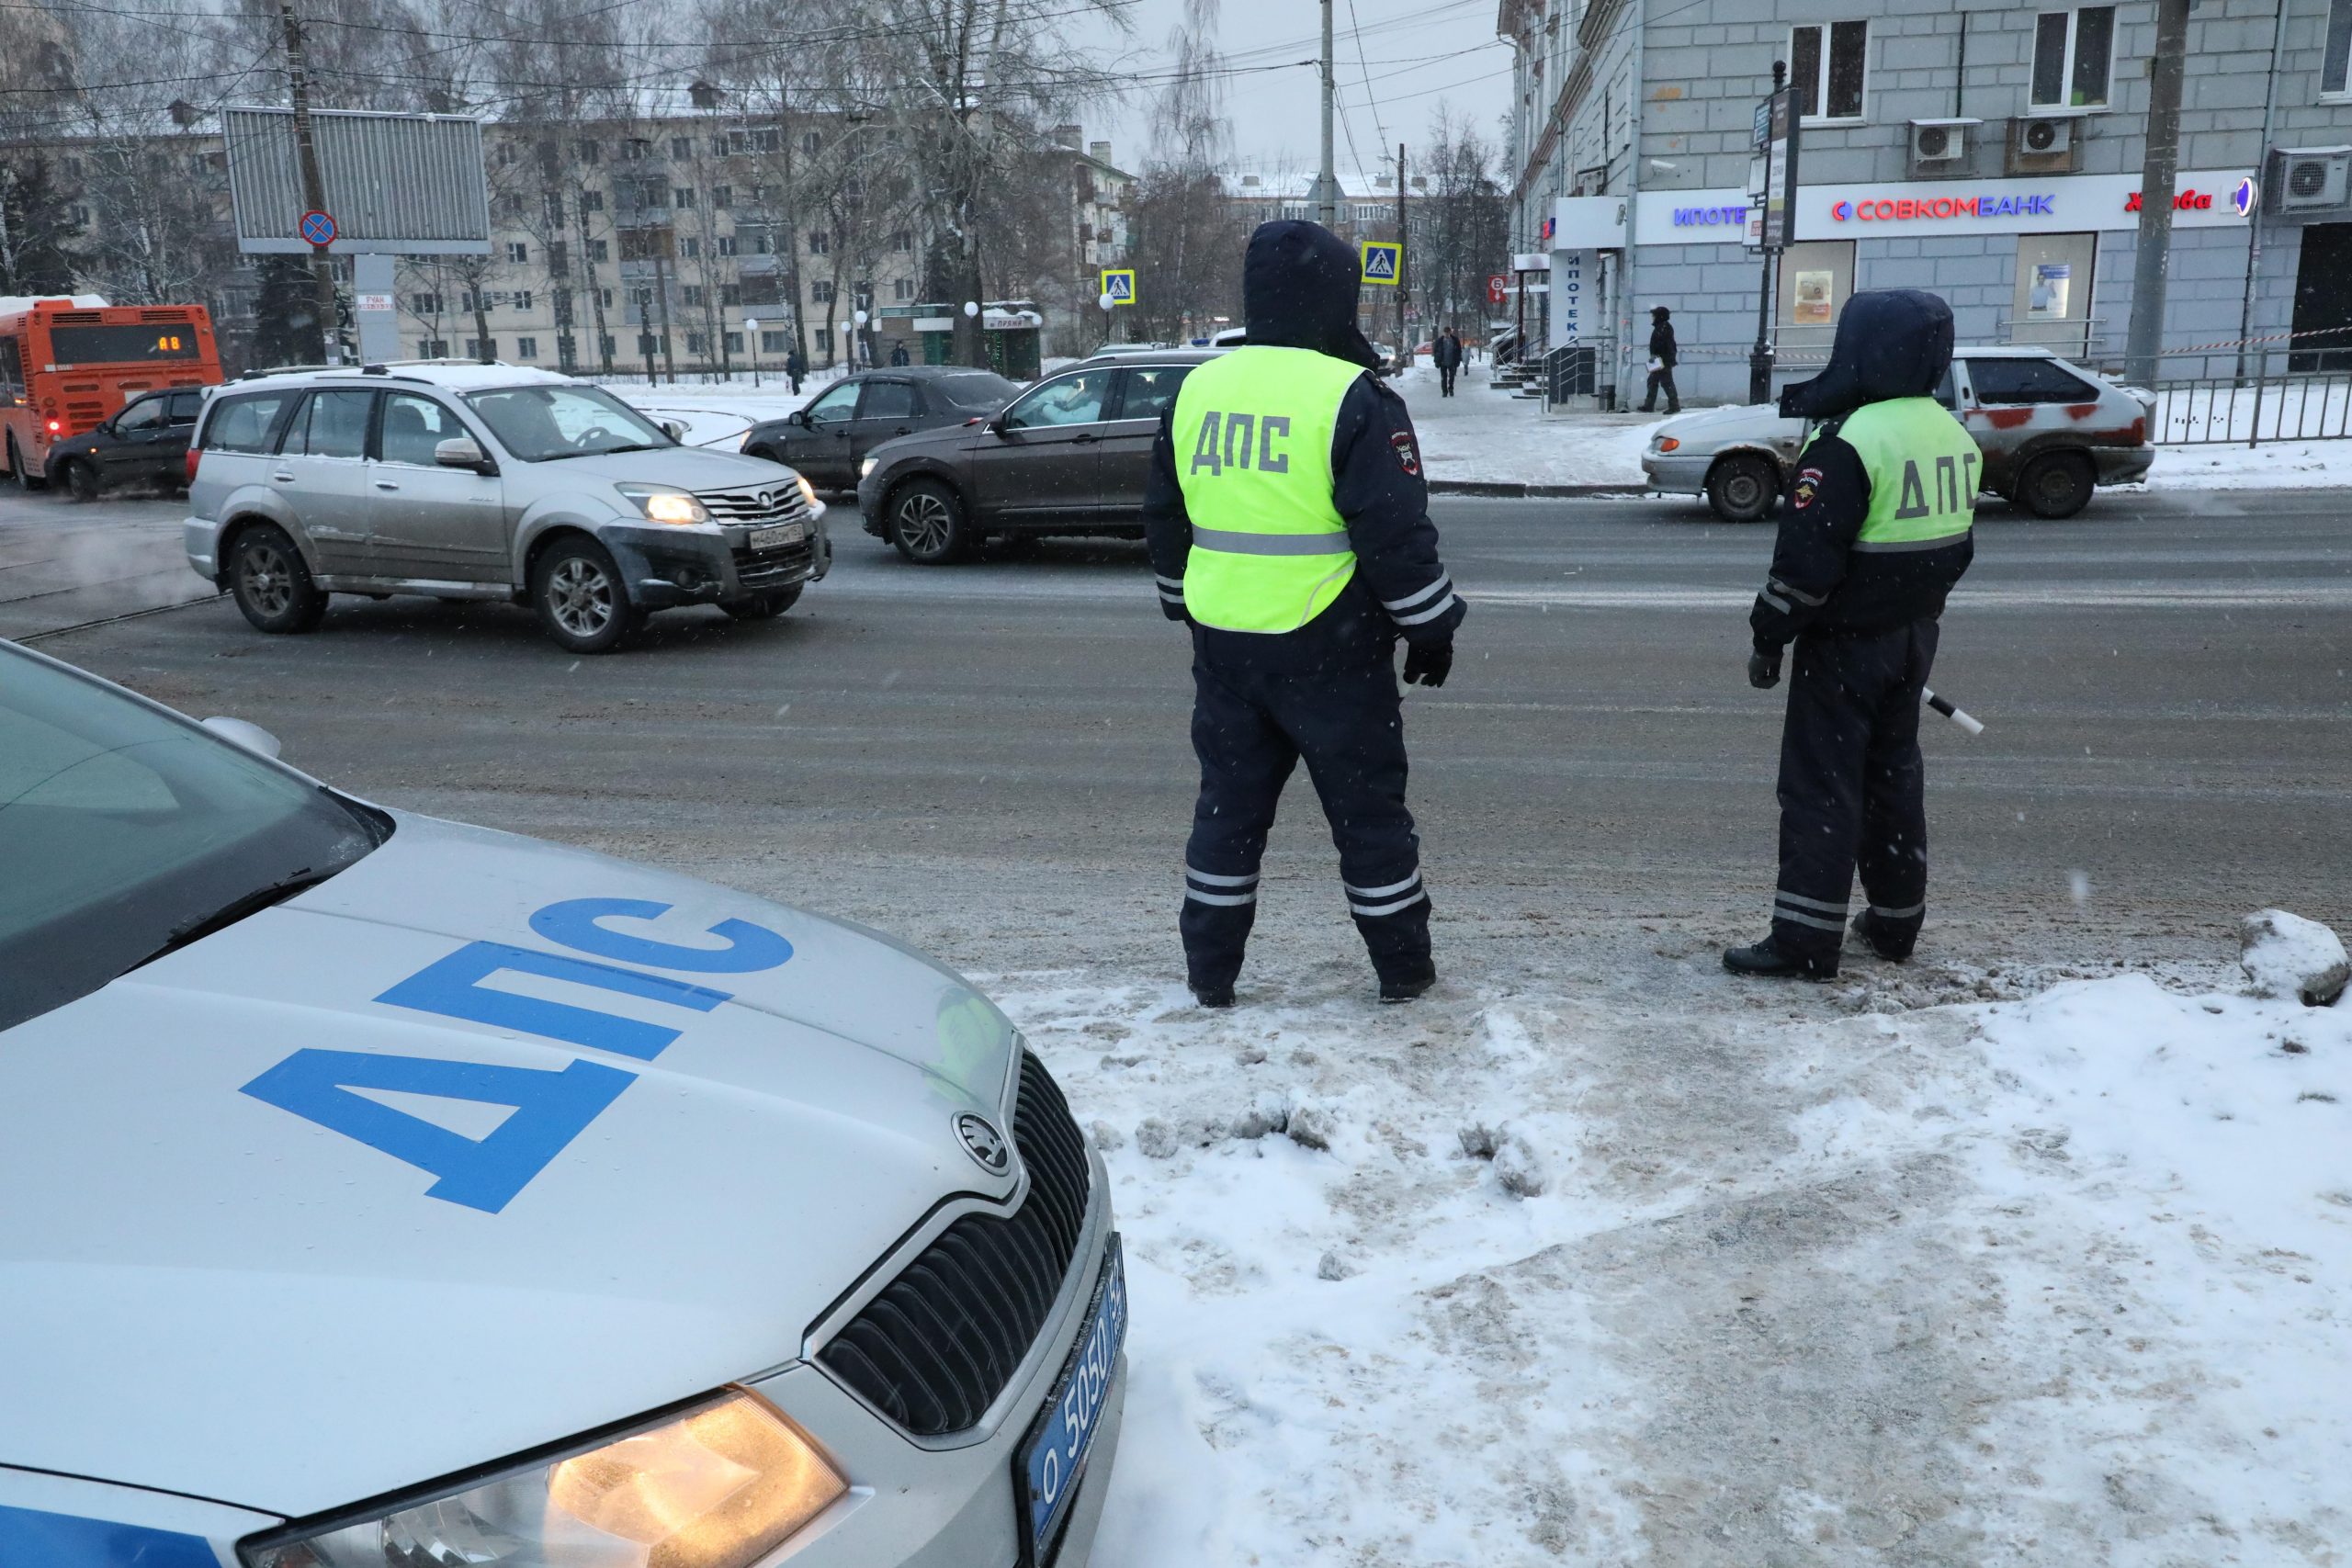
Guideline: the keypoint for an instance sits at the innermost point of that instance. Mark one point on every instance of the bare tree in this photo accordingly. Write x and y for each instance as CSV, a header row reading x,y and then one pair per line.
x,y
1184,219
1461,222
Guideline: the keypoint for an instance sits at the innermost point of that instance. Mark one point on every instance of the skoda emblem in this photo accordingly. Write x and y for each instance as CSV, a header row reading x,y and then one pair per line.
x,y
984,1143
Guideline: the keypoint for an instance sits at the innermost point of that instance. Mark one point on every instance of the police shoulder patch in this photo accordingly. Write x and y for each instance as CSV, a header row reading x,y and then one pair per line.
x,y
1410,459
1808,486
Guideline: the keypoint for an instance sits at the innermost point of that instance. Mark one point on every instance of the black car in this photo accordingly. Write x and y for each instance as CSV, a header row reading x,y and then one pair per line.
x,y
827,440
1070,457
146,444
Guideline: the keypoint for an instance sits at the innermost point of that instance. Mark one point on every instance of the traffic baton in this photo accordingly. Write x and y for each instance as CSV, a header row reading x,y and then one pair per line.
x,y
1960,716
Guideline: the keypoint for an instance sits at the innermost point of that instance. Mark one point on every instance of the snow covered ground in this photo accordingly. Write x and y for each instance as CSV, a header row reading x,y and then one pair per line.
x,y
1936,1266
718,416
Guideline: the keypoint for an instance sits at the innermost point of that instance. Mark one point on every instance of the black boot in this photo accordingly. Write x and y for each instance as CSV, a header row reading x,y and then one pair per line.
x,y
1889,945
1407,984
1767,961
1209,995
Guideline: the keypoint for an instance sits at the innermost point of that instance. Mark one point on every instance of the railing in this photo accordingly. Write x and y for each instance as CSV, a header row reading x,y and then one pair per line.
x,y
2295,387
1579,369
2082,340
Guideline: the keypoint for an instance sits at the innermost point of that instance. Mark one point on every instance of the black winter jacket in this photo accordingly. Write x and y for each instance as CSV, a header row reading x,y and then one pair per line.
x,y
1662,344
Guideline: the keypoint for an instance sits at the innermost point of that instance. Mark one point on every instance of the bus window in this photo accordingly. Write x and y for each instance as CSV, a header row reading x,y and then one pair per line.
x,y
245,424
125,344
12,368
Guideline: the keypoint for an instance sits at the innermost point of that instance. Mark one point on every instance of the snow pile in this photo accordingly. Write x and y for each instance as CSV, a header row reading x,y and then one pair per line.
x,y
719,415
2286,955
1745,1276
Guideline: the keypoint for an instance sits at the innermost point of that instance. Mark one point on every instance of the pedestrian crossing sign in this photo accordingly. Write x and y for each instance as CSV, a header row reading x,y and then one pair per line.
x,y
1119,285
1382,260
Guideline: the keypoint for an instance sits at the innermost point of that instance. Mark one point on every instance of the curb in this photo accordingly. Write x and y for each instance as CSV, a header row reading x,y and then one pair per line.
x,y
1518,492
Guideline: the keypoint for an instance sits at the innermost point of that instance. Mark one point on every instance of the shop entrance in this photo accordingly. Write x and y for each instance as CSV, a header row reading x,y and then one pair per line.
x,y
2052,308
2322,322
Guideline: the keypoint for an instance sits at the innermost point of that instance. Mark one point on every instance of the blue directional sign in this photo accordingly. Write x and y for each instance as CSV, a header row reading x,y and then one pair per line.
x,y
317,228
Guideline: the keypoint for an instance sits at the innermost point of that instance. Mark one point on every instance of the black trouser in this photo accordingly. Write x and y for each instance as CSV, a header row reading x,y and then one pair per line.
x,y
1445,373
1850,788
1662,380
1251,727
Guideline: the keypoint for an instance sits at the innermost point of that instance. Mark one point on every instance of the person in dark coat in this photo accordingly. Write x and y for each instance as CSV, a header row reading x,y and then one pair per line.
x,y
1296,571
1446,355
898,352
1878,529
796,366
1662,362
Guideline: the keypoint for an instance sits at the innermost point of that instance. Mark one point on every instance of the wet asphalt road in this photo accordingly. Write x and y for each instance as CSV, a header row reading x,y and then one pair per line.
x,y
993,757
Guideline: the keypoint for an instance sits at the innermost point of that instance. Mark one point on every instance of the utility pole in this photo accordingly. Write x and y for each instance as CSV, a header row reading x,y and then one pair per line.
x,y
661,294
314,189
1404,249
2159,175
1327,184
1777,133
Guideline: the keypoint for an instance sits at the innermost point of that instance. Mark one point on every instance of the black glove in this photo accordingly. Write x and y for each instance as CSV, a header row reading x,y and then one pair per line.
x,y
1427,663
1764,668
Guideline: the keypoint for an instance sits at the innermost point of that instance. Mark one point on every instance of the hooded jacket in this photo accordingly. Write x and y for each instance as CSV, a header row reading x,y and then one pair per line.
x,y
1893,342
1299,283
1662,339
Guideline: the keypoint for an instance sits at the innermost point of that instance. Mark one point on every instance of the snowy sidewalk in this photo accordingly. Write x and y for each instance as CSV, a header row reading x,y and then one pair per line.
x,y
1483,435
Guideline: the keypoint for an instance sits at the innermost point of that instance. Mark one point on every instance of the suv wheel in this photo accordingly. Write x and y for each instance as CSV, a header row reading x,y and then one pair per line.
x,y
81,480
271,584
926,523
1742,488
2056,484
763,606
577,591
26,479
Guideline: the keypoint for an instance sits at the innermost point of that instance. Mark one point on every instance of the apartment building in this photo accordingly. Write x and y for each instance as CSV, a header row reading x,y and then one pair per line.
x,y
1989,149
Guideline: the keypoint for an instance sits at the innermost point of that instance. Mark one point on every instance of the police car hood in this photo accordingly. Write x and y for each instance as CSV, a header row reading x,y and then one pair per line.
x,y
222,1274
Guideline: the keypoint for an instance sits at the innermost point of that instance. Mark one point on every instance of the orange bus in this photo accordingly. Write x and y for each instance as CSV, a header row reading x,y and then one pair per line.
x,y
65,365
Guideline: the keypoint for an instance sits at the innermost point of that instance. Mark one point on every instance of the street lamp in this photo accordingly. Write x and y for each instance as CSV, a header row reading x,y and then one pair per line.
x,y
1108,305
752,340
972,313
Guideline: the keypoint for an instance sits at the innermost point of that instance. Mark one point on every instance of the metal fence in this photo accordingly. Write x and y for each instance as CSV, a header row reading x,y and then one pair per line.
x,y
2245,395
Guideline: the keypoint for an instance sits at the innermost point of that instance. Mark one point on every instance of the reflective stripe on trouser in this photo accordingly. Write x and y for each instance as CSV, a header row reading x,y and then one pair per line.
x,y
1850,786
1251,729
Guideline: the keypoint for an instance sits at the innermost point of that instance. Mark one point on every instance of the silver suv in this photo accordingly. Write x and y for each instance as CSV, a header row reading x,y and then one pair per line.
x,y
485,481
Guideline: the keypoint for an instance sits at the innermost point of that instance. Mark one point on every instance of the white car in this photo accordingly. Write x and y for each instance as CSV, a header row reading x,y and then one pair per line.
x,y
388,1192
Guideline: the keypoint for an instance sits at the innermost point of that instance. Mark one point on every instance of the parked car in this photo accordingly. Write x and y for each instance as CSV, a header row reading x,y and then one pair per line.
x,y
827,440
2051,431
1070,456
343,1232
485,481
145,444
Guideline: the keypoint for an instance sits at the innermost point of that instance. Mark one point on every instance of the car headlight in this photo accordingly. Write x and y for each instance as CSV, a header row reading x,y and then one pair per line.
x,y
809,491
867,466
1667,443
720,1487
666,503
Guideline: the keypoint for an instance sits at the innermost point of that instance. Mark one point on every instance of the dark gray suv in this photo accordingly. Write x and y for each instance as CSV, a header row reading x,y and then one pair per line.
x,y
828,440
1068,457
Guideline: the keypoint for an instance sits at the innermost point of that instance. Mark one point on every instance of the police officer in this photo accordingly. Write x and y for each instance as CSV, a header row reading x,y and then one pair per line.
x,y
1875,534
1289,527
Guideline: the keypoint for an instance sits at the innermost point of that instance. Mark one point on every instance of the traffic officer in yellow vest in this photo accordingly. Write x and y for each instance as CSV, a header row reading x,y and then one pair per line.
x,y
1289,527
1875,534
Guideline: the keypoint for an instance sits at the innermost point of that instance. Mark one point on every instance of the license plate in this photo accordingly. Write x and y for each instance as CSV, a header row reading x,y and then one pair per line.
x,y
1052,1462
776,538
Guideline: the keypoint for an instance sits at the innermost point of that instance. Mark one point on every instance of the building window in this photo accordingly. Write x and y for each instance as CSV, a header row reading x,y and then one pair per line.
x,y
723,197
526,348
2333,72
517,252
693,296
727,244
682,149
818,240
482,348
697,342
768,140
1825,66
607,296
682,195
559,258
599,250
903,241
730,294
432,348
775,343
590,152
555,207
690,247
604,344
821,291
734,344
78,215
2074,54
522,299
903,288
592,201
426,305
811,143
510,205
636,150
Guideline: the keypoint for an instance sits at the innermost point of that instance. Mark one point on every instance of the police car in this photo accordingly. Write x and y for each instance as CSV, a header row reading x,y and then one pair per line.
x,y
386,1192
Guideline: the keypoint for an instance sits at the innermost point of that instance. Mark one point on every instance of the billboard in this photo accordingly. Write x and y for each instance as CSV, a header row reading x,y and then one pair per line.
x,y
395,184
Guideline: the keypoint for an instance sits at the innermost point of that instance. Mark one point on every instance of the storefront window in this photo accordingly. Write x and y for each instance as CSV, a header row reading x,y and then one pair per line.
x,y
2073,55
1827,65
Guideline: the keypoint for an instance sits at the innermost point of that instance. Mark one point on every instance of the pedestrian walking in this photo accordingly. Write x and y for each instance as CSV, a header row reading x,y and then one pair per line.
x,y
898,352
1662,362
1877,531
1289,525
1446,355
796,366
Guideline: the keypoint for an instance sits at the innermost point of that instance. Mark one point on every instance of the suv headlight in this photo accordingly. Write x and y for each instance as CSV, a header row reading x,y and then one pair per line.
x,y
666,503
868,466
720,1487
809,491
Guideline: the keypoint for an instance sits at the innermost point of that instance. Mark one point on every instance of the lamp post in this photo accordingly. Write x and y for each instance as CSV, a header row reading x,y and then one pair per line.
x,y
972,313
865,340
1108,305
752,342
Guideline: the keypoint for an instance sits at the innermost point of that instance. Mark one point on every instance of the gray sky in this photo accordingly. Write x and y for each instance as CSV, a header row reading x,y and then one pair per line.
x,y
1413,53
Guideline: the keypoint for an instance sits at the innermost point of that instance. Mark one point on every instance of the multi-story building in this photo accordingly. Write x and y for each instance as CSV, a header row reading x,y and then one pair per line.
x,y
658,240
1988,150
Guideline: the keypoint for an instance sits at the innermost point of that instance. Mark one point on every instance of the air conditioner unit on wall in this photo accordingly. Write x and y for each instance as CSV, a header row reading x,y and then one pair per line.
x,y
2041,144
2310,182
1941,147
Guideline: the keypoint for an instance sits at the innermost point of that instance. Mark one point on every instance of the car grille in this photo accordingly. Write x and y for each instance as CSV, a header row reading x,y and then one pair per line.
x,y
781,502
934,1349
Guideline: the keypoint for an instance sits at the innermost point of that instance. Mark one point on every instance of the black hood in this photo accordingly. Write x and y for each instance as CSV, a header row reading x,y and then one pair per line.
x,y
1892,343
1299,283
